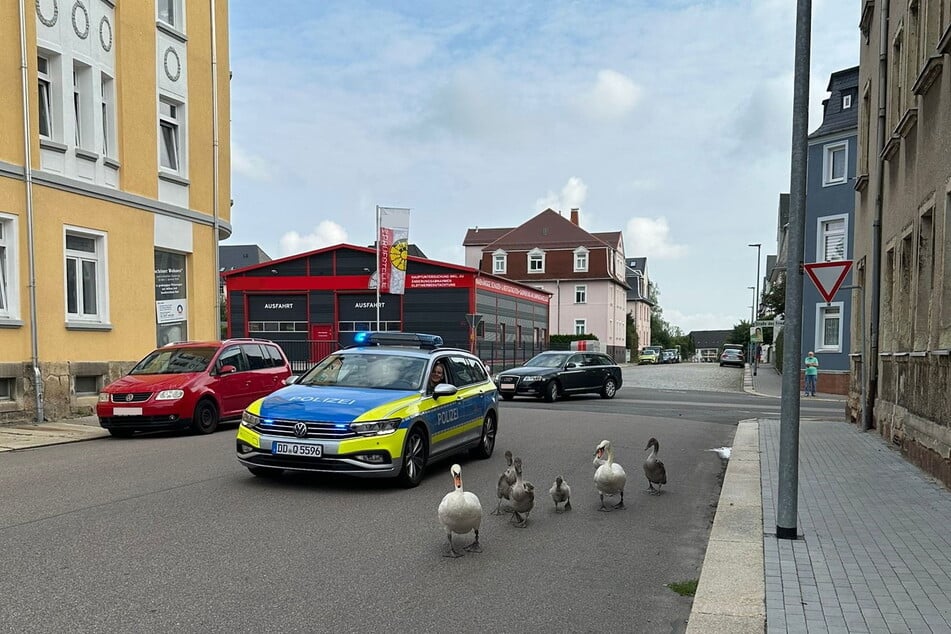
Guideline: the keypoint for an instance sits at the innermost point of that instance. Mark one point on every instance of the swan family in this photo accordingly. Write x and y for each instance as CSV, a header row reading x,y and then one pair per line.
x,y
460,511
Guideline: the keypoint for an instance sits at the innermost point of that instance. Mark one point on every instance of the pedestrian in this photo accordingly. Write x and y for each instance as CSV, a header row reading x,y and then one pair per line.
x,y
812,373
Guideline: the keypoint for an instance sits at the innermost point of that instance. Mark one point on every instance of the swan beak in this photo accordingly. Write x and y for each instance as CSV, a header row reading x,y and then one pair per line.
x,y
599,452
457,480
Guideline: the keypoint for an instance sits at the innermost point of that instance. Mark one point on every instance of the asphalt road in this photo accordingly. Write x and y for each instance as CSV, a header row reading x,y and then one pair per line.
x,y
169,532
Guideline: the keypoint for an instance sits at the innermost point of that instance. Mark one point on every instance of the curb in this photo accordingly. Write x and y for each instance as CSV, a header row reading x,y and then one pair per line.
x,y
20,437
731,593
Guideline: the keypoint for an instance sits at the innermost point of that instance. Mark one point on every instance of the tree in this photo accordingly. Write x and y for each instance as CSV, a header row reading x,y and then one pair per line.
x,y
774,300
632,343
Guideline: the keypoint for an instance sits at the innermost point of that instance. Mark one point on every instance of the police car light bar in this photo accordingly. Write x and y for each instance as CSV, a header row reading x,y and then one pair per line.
x,y
411,339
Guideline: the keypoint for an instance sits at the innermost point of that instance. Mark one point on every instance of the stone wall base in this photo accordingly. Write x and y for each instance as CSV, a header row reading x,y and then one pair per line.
x,y
60,381
922,442
828,382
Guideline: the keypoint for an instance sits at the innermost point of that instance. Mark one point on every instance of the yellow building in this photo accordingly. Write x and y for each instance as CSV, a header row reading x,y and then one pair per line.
x,y
114,190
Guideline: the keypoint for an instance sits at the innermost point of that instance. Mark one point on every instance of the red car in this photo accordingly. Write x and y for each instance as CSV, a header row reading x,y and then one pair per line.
x,y
192,385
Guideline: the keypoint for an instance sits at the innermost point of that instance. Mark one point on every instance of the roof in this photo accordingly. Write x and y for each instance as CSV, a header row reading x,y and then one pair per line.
x,y
610,238
549,230
233,256
709,338
835,118
637,264
480,237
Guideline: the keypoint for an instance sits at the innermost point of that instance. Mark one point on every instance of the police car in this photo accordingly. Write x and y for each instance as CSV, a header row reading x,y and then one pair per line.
x,y
371,410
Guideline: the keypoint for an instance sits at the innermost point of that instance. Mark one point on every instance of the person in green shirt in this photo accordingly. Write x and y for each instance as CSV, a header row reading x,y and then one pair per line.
x,y
812,373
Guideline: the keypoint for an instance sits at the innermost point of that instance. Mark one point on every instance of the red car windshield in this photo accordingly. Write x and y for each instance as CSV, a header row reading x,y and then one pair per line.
x,y
175,361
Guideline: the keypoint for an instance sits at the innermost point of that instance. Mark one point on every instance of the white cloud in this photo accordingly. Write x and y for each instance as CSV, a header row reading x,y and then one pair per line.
x,y
699,321
246,164
325,234
613,96
650,237
572,196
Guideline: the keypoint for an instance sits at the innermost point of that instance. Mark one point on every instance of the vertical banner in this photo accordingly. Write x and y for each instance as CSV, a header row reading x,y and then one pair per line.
x,y
393,246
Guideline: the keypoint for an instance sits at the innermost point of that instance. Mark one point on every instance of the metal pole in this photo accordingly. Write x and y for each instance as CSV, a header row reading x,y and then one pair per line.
x,y
749,354
30,231
874,275
787,504
216,179
756,302
379,273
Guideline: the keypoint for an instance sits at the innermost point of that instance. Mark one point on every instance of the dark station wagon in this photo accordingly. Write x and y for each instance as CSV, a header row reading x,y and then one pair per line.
x,y
551,375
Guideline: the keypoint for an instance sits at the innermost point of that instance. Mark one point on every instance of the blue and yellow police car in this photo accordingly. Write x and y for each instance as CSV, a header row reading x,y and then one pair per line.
x,y
384,407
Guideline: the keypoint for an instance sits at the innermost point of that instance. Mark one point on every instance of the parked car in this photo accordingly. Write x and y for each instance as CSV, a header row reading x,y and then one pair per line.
x,y
732,356
192,385
371,410
554,374
671,355
648,356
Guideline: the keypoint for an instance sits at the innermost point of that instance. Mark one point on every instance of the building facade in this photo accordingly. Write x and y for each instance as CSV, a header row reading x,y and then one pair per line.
x,y
114,190
900,378
584,272
314,302
830,207
639,304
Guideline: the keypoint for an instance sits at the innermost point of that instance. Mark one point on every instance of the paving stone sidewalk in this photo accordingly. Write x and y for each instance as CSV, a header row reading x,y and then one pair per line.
x,y
875,553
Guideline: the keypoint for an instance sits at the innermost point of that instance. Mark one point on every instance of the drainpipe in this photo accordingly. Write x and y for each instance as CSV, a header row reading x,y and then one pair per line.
x,y
216,186
876,246
28,181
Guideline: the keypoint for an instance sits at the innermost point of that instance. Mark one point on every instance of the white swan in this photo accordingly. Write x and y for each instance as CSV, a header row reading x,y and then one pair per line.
x,y
561,492
653,468
522,497
506,480
460,512
609,477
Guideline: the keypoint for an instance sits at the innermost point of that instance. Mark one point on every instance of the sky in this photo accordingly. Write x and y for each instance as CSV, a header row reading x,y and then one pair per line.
x,y
668,120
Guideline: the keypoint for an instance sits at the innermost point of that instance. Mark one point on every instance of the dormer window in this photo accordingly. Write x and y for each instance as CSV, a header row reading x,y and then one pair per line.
x,y
499,262
846,102
536,261
581,260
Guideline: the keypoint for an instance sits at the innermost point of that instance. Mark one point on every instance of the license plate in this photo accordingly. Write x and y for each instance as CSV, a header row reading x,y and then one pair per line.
x,y
296,449
126,411
507,386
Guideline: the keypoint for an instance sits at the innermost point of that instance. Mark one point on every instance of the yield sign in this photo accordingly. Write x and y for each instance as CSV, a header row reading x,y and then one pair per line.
x,y
828,276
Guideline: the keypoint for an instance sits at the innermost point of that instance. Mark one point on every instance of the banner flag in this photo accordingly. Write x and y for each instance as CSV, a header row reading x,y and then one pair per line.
x,y
393,247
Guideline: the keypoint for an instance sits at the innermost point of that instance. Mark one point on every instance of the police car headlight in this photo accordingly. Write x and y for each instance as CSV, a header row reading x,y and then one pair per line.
x,y
533,379
249,420
376,427
169,395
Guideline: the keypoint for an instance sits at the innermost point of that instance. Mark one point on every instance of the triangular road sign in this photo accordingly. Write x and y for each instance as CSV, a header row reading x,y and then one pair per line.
x,y
828,276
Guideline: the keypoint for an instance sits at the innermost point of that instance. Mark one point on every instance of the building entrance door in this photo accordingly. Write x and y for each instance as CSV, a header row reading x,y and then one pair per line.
x,y
323,341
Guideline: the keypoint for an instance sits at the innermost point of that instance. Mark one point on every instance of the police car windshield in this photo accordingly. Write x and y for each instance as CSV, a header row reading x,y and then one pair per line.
x,y
175,361
547,361
379,371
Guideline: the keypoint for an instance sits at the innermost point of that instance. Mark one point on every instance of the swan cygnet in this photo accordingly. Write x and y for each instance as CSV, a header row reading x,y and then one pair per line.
x,y
561,492
460,512
506,480
522,497
609,477
653,468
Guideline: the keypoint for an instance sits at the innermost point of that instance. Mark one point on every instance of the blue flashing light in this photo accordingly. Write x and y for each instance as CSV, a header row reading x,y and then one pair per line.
x,y
362,338
388,338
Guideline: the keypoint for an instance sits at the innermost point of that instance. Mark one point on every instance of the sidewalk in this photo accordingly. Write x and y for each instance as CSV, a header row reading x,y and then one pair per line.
x,y
874,554
27,435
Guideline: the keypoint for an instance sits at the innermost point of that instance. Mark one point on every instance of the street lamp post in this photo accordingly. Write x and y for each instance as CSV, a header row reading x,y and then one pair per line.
x,y
752,348
756,298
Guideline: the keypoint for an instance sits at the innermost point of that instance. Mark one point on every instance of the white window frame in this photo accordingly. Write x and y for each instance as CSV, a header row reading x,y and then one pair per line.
x,y
828,151
821,318
174,122
177,8
822,231
45,84
536,256
846,102
581,260
107,109
82,103
581,326
9,276
500,262
581,293
99,258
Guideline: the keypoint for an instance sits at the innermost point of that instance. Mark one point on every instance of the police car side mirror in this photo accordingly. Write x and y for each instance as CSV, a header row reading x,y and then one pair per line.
x,y
291,380
444,389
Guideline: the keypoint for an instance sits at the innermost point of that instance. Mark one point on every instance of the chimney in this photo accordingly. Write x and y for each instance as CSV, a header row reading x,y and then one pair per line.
x,y
574,215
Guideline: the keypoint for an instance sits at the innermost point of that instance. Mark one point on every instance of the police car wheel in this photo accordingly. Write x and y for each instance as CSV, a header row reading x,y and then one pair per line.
x,y
487,441
414,459
205,419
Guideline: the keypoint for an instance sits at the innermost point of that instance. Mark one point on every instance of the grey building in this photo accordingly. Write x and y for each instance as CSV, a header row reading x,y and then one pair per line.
x,y
830,206
639,304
